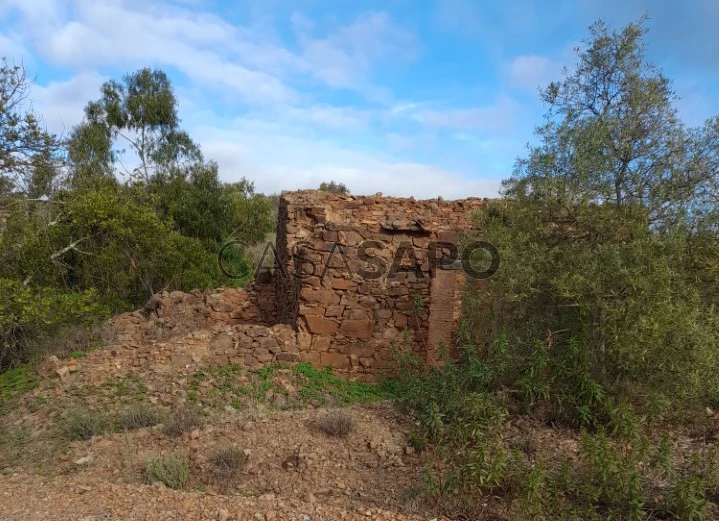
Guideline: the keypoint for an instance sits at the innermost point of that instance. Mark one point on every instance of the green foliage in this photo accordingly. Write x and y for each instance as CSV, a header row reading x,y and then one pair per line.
x,y
140,112
168,469
16,382
473,459
28,313
84,425
332,186
613,137
76,243
610,257
319,383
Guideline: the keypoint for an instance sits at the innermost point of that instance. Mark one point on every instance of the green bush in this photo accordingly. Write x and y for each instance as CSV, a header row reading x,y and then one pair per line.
x,y
169,469
28,316
463,411
84,425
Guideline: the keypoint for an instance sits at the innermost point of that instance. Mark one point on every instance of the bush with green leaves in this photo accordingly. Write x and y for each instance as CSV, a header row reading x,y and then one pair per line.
x,y
170,470
77,425
463,409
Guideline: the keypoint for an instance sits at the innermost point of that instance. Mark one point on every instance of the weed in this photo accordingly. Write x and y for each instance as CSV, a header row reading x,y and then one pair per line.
x,y
138,417
229,460
317,383
336,423
182,421
168,469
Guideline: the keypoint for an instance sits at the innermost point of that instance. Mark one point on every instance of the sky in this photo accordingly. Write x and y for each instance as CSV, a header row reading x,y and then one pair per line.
x,y
419,98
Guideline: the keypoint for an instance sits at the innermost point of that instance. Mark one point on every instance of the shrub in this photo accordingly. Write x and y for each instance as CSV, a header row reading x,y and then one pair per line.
x,y
229,460
169,469
138,417
182,421
83,426
472,458
336,423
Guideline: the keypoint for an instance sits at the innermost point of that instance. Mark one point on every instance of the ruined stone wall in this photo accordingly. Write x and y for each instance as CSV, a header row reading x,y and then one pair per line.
x,y
176,329
171,314
334,298
349,319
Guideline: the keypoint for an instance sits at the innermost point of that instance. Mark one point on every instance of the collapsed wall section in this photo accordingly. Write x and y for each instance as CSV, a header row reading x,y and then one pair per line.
x,y
360,272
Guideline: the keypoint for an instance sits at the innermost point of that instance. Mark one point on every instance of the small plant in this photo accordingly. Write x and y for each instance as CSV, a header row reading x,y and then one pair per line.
x,y
336,423
16,382
169,469
182,421
317,384
83,426
229,460
138,417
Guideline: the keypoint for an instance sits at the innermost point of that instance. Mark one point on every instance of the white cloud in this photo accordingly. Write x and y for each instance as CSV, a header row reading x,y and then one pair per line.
x,y
278,159
499,116
244,60
61,103
529,72
345,58
277,129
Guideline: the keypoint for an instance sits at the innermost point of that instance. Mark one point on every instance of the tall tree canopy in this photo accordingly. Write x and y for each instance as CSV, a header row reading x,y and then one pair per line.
x,y
613,135
139,113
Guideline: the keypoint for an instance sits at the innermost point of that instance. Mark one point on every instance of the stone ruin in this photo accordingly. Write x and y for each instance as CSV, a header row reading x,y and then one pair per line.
x,y
354,278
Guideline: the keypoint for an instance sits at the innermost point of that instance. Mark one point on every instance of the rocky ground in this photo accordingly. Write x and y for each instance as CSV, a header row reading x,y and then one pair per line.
x,y
291,468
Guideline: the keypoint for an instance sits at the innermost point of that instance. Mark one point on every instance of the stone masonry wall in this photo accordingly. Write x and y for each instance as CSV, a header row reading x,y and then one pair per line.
x,y
352,321
333,299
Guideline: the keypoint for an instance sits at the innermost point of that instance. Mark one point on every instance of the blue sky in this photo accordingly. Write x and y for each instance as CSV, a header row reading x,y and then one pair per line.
x,y
404,97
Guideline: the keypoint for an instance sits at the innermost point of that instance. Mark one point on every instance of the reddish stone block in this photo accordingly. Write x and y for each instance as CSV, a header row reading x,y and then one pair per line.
x,y
337,360
320,325
343,284
357,328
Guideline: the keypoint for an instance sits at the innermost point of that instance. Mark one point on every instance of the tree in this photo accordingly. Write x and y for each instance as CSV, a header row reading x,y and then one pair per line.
x,y
25,146
612,135
608,236
195,200
139,112
332,186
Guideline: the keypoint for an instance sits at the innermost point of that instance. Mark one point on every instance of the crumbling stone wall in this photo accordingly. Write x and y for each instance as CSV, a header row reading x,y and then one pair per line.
x,y
355,277
345,314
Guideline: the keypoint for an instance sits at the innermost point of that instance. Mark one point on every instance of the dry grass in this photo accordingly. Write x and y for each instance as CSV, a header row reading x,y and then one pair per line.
x,y
229,460
336,423
138,417
182,421
83,426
